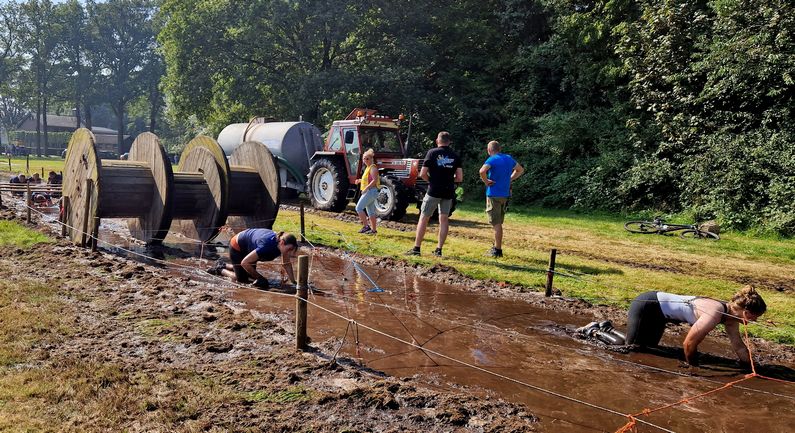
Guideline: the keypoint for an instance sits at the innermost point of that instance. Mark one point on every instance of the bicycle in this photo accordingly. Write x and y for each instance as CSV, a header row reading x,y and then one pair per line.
x,y
658,226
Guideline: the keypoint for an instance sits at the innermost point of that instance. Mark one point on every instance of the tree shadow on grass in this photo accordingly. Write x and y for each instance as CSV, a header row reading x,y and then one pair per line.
x,y
540,266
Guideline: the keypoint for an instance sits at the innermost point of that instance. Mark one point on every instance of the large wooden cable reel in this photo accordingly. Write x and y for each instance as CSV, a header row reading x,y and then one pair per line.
x,y
202,180
254,187
242,192
139,189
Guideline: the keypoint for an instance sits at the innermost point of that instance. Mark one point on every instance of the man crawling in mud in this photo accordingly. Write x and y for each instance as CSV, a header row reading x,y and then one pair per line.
x,y
651,311
256,245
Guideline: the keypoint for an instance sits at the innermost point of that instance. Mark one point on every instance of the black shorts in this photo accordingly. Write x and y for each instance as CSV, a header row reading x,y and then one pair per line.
x,y
236,257
645,321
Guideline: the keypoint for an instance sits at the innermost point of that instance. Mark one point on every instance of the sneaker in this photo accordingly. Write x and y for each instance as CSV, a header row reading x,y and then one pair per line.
x,y
219,266
495,252
437,252
371,232
413,252
365,229
588,329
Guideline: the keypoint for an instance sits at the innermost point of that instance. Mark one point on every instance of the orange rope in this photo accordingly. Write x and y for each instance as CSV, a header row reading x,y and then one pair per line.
x,y
632,423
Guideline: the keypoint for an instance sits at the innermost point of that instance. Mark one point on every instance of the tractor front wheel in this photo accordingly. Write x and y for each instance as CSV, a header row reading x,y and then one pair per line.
x,y
328,185
392,199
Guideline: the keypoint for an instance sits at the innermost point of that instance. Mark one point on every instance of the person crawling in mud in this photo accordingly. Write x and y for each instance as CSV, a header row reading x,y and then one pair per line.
x,y
651,311
256,245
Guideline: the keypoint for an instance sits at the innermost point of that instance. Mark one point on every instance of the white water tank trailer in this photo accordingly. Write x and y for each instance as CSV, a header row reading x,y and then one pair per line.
x,y
292,143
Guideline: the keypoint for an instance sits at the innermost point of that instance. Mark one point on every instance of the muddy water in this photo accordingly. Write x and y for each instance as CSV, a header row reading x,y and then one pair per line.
x,y
524,344
529,345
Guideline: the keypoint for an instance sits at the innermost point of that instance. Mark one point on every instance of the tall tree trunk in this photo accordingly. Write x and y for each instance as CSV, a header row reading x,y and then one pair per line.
x,y
120,132
87,110
38,125
78,122
154,108
46,134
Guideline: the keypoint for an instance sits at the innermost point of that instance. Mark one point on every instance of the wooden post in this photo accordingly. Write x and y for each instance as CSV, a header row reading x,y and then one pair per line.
x,y
303,230
95,234
9,162
64,213
551,272
27,163
86,210
42,172
300,302
30,202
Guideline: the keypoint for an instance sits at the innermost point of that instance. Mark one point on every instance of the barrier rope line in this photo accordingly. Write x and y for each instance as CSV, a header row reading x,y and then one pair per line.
x,y
633,418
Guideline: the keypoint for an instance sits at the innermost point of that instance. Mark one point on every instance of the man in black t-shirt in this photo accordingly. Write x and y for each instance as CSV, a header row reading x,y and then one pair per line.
x,y
442,170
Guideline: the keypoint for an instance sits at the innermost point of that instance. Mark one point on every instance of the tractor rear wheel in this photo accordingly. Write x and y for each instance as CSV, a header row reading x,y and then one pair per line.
x,y
392,199
328,185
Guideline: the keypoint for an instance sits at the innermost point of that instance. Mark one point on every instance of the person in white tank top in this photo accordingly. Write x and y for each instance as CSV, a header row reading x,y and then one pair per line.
x,y
650,311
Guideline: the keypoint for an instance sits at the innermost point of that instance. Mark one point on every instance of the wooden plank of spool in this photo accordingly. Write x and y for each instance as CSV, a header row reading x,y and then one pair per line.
x,y
81,164
202,177
254,187
152,227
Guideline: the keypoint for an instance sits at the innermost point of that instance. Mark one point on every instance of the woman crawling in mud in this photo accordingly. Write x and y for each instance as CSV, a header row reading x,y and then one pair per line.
x,y
651,311
256,245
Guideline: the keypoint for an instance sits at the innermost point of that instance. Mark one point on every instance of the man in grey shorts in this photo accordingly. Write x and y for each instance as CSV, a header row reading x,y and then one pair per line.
x,y
442,170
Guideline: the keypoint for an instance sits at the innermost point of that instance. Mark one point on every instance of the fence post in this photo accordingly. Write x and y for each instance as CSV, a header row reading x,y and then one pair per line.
x,y
86,209
30,202
64,213
27,163
303,230
300,302
551,271
9,162
95,234
42,172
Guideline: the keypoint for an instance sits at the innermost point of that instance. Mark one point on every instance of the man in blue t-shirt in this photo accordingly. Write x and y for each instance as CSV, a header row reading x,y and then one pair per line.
x,y
497,173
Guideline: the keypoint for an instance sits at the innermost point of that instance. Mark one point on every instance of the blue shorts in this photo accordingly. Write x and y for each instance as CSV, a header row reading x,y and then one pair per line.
x,y
367,201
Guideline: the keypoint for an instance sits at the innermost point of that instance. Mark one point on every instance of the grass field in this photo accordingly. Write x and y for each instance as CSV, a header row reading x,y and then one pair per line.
x,y
35,164
605,264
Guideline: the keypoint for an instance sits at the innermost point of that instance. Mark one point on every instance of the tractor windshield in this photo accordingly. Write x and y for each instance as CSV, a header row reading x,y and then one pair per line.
x,y
381,140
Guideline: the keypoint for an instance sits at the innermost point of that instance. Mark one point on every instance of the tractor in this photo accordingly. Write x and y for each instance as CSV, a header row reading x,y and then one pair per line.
x,y
327,172
334,170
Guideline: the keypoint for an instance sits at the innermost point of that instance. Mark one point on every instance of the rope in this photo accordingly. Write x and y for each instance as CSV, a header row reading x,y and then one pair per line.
x,y
633,418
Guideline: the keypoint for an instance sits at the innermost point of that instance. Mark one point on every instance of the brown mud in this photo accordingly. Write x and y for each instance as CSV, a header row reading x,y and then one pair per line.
x,y
153,317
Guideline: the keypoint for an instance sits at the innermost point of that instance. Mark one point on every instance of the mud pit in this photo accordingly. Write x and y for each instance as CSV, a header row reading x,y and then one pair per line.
x,y
530,344
519,336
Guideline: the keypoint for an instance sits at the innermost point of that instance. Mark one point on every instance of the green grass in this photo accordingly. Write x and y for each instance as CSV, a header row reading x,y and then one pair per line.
x,y
14,234
37,163
606,264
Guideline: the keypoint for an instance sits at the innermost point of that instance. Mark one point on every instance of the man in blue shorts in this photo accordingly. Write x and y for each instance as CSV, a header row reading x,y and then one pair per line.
x,y
442,170
497,173
257,245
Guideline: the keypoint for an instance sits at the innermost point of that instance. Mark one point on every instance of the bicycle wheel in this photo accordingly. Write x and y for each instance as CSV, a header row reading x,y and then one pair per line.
x,y
645,227
698,234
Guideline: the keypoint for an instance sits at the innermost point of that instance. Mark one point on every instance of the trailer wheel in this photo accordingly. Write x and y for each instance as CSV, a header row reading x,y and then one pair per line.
x,y
392,199
328,185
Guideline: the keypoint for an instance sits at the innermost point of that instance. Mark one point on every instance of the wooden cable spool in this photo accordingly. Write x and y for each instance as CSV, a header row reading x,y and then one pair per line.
x,y
139,189
245,188
254,187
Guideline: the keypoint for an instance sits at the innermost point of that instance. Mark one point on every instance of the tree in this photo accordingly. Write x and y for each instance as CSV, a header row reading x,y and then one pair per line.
x,y
122,38
39,45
